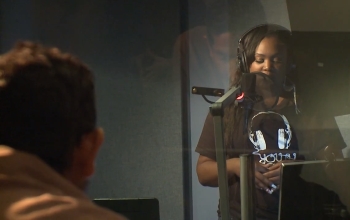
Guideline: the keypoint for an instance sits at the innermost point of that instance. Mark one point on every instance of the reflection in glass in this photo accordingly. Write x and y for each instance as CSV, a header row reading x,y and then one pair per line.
x,y
315,190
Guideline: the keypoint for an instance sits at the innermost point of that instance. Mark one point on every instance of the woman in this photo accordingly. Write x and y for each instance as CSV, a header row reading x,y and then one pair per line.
x,y
265,49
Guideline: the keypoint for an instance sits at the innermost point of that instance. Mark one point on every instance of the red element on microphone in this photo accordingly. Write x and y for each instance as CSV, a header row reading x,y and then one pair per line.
x,y
240,97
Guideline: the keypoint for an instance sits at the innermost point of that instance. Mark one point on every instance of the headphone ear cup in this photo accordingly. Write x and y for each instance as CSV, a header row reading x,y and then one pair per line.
x,y
260,140
244,63
282,143
239,61
239,57
242,59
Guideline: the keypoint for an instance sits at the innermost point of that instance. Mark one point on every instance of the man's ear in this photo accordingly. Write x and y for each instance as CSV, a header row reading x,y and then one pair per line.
x,y
87,150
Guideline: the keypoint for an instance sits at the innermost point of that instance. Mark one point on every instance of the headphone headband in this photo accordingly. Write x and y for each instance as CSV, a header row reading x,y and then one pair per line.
x,y
270,27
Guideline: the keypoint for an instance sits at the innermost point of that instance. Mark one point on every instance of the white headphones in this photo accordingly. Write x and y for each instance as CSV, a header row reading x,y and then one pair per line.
x,y
284,135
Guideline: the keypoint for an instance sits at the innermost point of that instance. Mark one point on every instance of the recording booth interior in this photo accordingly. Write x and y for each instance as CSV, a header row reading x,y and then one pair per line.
x,y
132,208
320,47
323,66
321,34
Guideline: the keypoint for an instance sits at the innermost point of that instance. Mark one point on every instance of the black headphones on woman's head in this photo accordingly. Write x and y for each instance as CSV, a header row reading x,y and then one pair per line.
x,y
241,54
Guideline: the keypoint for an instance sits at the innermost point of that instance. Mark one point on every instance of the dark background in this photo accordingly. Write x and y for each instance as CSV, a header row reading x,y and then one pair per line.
x,y
142,155
323,67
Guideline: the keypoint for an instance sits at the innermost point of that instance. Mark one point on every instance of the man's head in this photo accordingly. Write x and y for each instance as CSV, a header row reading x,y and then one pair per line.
x,y
218,35
48,109
225,21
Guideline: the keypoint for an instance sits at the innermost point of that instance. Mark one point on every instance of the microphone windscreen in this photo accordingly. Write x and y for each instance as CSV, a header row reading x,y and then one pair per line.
x,y
248,84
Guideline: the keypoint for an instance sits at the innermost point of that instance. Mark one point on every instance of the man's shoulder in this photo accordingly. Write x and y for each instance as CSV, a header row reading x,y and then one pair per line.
x,y
48,206
35,191
197,30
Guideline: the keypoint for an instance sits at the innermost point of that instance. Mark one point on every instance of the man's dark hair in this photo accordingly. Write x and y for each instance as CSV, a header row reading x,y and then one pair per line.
x,y
217,18
47,102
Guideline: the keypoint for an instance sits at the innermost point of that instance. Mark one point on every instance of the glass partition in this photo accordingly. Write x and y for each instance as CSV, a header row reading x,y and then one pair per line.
x,y
315,189
289,59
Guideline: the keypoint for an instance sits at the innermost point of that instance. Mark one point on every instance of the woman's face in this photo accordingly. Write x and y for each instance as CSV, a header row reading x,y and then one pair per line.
x,y
271,58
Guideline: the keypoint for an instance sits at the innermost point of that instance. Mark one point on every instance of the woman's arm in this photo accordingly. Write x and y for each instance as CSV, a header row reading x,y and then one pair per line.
x,y
207,170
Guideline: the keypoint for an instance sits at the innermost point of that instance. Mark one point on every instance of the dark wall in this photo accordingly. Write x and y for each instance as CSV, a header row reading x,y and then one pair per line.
x,y
323,66
127,44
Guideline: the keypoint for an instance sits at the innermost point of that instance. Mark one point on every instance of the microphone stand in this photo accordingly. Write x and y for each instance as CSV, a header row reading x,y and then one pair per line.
x,y
246,162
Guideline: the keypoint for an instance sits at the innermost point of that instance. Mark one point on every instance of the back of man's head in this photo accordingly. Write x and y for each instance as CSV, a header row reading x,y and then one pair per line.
x,y
233,16
47,103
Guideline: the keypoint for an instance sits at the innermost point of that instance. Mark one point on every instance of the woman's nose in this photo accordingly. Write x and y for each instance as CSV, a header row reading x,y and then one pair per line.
x,y
268,65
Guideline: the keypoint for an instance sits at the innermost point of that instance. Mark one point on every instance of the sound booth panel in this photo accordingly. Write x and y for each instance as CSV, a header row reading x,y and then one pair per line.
x,y
323,66
140,112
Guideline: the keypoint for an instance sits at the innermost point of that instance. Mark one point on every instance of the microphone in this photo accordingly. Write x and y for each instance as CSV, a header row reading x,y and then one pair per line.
x,y
248,84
